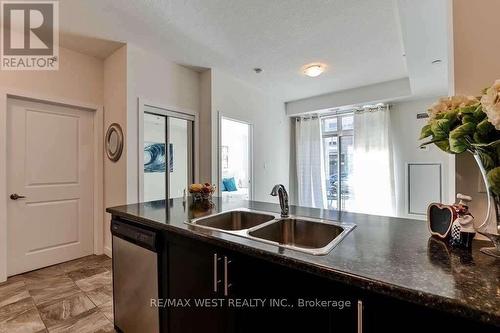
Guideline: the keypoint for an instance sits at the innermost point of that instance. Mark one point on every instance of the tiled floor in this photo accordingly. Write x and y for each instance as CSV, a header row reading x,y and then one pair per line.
x,y
74,296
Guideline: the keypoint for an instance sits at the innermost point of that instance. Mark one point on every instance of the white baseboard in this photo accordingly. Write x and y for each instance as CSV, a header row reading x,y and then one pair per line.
x,y
108,252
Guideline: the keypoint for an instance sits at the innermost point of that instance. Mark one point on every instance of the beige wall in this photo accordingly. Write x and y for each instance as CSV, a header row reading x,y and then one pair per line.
x,y
223,94
160,82
405,130
115,111
117,82
132,73
205,129
271,130
79,78
475,44
476,66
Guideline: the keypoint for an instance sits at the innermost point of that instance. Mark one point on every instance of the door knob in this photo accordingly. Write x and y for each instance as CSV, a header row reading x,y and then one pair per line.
x,y
16,196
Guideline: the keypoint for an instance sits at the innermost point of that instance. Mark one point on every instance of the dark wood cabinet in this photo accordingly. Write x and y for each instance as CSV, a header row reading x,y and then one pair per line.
x,y
390,315
253,295
206,287
195,288
236,284
286,293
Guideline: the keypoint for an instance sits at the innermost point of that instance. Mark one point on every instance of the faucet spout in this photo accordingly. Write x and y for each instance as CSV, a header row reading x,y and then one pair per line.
x,y
280,191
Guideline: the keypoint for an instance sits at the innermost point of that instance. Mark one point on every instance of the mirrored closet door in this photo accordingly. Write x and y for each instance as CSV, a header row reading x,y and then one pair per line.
x,y
168,153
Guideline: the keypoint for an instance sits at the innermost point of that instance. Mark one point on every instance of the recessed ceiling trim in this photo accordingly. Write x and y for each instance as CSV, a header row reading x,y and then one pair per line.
x,y
370,94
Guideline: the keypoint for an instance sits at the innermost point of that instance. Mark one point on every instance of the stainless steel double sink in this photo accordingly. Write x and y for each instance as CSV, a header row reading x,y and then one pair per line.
x,y
312,236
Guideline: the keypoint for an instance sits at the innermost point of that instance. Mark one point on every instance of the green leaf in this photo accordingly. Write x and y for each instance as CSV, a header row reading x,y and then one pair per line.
x,y
495,143
493,177
468,119
487,160
451,115
440,128
463,130
479,138
479,114
484,127
425,132
444,145
468,109
458,146
433,141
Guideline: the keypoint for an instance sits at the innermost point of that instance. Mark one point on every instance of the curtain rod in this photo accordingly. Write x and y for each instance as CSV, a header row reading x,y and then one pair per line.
x,y
344,112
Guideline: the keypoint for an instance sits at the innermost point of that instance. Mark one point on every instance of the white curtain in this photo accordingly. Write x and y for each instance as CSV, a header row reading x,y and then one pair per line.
x,y
310,168
373,170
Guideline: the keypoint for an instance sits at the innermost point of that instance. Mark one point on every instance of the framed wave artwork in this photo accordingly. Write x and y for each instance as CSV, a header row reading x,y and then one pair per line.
x,y
155,157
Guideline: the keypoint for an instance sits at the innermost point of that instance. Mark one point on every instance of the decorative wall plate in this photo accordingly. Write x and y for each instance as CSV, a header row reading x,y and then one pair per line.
x,y
439,219
114,142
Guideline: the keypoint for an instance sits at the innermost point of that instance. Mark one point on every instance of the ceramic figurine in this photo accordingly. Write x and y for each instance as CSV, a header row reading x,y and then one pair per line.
x,y
462,229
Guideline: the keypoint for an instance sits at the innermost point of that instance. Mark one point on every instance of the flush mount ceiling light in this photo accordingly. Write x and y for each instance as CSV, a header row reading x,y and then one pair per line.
x,y
314,70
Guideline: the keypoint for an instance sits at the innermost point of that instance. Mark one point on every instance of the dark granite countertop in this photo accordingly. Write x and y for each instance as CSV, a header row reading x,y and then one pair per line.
x,y
391,256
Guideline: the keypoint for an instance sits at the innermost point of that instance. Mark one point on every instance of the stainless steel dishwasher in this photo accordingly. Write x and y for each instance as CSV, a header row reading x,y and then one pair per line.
x,y
135,278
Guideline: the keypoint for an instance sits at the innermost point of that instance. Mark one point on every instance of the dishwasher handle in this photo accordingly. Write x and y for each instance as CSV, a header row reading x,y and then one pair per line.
x,y
142,237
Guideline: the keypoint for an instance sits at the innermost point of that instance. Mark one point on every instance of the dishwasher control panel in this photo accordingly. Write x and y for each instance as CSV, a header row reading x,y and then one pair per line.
x,y
142,237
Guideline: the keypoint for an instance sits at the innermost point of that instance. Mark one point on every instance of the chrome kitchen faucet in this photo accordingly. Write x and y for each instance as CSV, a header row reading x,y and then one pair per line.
x,y
280,191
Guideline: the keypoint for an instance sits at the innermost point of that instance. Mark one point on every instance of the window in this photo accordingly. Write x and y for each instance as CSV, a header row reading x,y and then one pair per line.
x,y
330,124
347,123
338,152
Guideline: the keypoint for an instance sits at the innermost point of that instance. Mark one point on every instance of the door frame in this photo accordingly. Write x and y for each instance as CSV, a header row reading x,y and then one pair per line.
x,y
142,104
221,115
98,170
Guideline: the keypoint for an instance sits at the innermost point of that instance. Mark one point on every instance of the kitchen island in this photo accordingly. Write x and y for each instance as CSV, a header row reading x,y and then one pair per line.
x,y
389,270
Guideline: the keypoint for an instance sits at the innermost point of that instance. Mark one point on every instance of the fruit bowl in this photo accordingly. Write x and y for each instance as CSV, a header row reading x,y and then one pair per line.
x,y
201,192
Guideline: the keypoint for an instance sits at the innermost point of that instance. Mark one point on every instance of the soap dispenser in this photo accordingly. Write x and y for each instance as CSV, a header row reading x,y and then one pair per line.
x,y
462,229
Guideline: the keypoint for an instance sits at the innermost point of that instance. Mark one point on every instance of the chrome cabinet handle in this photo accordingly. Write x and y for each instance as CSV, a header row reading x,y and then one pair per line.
x,y
216,282
360,316
15,196
227,285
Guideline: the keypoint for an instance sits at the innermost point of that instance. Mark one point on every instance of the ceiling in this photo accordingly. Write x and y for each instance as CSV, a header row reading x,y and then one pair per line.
x,y
95,47
360,41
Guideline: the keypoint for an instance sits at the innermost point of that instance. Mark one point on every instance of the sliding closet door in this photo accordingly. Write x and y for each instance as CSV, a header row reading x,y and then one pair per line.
x,y
168,154
155,137
180,156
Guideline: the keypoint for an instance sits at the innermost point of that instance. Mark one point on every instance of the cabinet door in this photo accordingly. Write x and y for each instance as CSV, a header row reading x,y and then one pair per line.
x,y
390,315
194,274
285,292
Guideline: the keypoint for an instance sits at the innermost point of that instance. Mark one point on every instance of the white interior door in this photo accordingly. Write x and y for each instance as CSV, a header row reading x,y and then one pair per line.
x,y
50,168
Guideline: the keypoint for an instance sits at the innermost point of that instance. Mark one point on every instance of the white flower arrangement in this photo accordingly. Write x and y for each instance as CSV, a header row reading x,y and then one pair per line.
x,y
491,104
445,104
465,123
